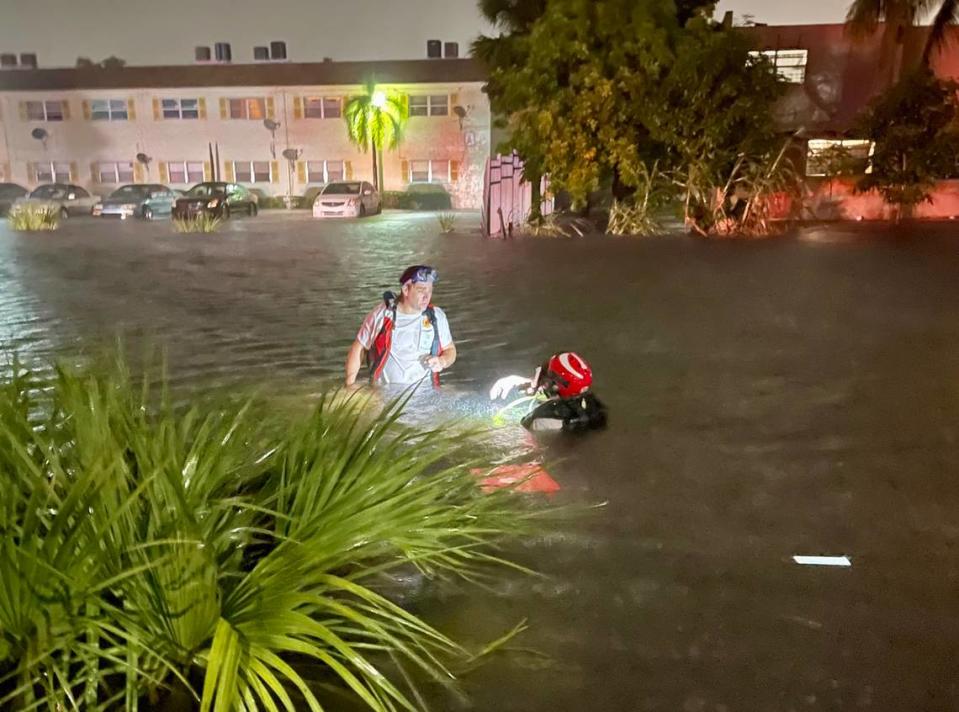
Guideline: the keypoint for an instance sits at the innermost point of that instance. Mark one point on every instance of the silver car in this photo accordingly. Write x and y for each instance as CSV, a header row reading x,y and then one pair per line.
x,y
63,198
349,199
142,200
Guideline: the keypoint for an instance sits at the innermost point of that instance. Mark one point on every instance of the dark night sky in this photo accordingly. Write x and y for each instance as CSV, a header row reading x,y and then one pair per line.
x,y
165,31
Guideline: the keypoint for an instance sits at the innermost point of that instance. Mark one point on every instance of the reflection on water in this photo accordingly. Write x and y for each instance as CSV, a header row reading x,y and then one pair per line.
x,y
766,399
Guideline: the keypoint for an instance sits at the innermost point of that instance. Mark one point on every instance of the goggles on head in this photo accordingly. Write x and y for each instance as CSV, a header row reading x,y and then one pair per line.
x,y
419,273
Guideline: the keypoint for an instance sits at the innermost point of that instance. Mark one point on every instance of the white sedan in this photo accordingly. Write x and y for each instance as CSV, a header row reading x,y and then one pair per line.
x,y
350,199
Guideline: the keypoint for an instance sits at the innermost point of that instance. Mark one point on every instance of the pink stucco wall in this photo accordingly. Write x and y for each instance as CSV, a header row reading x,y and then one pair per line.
x,y
836,200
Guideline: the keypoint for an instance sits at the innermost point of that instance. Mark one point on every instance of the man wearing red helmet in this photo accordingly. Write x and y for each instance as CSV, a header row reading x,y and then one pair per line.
x,y
565,379
405,337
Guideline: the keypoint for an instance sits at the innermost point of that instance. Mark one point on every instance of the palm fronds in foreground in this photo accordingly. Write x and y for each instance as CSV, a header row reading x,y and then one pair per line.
x,y
214,553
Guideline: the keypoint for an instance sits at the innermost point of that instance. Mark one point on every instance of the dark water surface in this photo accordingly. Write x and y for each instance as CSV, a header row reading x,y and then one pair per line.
x,y
797,396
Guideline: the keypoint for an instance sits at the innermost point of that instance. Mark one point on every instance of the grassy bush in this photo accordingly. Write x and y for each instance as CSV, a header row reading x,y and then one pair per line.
x,y
203,222
30,218
418,197
215,549
447,221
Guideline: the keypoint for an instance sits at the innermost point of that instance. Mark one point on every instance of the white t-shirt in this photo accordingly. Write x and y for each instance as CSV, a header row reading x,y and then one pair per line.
x,y
412,340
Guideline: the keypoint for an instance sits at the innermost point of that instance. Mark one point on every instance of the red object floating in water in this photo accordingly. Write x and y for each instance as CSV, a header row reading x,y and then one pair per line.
x,y
529,477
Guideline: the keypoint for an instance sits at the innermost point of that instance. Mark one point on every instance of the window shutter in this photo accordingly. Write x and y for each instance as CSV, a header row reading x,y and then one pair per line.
x,y
454,101
207,171
138,176
274,171
270,108
73,171
405,170
131,110
157,115
94,173
164,173
5,173
85,105
454,171
66,109
31,171
348,169
23,111
224,109
301,172
228,174
297,107
201,104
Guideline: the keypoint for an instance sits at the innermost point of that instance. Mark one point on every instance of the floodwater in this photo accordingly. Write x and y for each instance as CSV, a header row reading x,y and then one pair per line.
x,y
767,399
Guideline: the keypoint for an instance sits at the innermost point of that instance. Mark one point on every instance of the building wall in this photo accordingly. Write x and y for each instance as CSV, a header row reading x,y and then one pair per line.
x,y
82,141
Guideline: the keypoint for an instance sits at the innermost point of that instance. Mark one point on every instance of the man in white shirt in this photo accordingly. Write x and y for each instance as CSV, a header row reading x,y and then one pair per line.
x,y
405,338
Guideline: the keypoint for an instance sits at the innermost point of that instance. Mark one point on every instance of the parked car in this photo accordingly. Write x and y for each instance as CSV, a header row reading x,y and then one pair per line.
x,y
142,200
9,192
64,198
350,199
219,199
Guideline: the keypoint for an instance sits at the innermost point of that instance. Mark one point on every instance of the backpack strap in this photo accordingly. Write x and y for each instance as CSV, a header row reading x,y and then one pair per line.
x,y
435,349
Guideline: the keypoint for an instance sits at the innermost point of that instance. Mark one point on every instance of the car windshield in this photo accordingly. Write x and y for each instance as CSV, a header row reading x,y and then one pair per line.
x,y
342,189
205,190
130,191
49,191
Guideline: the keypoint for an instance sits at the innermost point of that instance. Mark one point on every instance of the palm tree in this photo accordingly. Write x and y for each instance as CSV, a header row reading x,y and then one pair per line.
x,y
864,16
375,119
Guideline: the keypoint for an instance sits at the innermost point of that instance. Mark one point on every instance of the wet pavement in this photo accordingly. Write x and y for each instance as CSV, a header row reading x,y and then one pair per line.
x,y
792,396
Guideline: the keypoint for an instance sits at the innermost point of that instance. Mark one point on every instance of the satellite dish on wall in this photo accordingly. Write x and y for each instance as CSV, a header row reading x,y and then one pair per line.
x,y
459,111
39,134
143,158
291,154
271,124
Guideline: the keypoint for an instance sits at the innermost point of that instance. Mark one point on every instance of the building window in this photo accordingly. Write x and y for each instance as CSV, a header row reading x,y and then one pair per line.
x,y
248,108
185,172
251,171
115,172
108,110
433,105
790,64
181,108
434,171
837,157
45,110
324,171
322,107
52,172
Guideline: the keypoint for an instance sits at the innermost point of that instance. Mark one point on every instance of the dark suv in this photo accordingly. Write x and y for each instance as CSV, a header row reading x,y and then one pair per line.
x,y
219,199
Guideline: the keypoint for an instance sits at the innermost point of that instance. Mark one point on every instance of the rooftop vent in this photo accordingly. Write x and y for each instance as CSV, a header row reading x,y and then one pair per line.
x,y
261,54
277,50
28,60
451,50
8,60
223,52
202,54
434,49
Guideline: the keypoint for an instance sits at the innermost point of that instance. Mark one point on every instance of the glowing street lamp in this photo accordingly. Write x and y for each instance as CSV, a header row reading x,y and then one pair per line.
x,y
379,99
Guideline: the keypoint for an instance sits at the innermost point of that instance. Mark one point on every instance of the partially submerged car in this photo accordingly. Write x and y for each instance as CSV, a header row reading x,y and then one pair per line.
x,y
217,199
348,199
64,198
9,193
142,200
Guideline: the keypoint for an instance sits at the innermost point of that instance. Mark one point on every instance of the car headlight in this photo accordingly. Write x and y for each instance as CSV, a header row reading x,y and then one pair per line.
x,y
213,203
352,201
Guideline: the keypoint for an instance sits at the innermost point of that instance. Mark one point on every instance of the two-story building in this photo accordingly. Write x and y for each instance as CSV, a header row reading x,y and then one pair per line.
x,y
88,126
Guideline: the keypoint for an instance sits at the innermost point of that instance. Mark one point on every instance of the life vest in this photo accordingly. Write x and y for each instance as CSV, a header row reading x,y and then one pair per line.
x,y
379,351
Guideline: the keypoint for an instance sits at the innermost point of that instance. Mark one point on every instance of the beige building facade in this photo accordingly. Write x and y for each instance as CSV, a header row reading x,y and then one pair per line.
x,y
87,126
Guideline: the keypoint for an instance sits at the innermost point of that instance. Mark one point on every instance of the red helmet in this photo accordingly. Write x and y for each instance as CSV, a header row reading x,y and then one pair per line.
x,y
567,374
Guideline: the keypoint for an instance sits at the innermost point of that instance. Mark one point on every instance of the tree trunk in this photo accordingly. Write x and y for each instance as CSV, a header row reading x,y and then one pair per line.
x,y
379,176
376,183
535,198
621,191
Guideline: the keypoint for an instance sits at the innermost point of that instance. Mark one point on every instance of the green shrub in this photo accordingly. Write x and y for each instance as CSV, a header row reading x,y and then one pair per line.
x,y
31,218
216,548
204,222
418,197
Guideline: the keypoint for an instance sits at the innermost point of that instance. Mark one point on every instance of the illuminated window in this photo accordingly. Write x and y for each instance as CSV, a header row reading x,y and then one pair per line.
x,y
249,108
185,172
790,64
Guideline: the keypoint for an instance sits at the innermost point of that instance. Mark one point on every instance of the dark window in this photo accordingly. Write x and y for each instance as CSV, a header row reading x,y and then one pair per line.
x,y
451,50
261,54
278,50
202,54
223,52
